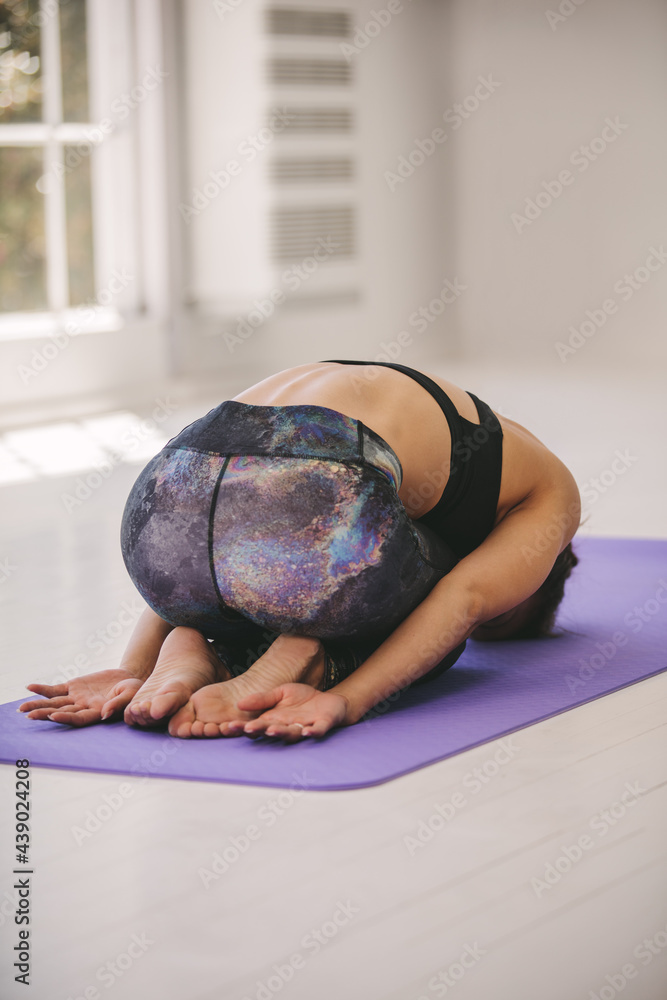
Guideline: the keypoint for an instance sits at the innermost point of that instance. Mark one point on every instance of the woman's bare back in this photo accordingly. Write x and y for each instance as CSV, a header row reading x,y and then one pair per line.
x,y
402,412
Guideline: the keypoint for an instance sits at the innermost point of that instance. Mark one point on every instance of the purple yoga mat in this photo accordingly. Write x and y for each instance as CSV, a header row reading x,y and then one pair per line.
x,y
616,603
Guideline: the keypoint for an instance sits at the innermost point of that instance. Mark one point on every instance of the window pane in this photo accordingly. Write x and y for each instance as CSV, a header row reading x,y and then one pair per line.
x,y
79,227
22,264
20,63
74,60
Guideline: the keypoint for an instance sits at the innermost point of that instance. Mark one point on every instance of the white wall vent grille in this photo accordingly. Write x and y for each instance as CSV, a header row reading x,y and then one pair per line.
x,y
316,119
306,21
315,72
292,170
298,232
312,170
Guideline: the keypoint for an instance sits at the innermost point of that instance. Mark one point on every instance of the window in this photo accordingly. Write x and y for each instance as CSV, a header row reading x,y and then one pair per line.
x,y
66,251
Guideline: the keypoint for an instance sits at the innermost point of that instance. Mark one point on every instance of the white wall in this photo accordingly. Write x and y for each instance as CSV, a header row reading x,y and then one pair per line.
x,y
557,86
406,232
404,235
553,87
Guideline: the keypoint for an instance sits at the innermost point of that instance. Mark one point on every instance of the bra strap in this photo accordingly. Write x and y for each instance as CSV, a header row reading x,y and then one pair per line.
x,y
446,405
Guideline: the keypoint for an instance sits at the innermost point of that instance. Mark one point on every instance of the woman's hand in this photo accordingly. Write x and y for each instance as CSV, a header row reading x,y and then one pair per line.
x,y
84,700
295,710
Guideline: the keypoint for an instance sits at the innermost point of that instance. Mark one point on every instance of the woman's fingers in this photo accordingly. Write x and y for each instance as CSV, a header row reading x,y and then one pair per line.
x,y
255,728
290,733
318,728
272,725
233,728
82,717
48,690
126,691
287,716
258,700
45,712
116,704
39,703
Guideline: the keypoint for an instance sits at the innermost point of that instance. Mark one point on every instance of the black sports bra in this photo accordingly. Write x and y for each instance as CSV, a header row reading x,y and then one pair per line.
x,y
465,513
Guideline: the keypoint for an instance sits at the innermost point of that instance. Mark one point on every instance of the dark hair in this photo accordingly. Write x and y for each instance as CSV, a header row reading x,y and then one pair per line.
x,y
550,594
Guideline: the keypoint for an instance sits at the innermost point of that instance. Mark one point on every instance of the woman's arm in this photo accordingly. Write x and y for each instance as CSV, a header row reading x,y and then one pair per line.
x,y
506,569
447,616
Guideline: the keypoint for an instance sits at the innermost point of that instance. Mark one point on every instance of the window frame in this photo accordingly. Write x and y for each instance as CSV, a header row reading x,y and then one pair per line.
x,y
129,229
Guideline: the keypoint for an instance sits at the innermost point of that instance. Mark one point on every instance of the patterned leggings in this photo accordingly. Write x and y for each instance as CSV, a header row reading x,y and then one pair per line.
x,y
261,520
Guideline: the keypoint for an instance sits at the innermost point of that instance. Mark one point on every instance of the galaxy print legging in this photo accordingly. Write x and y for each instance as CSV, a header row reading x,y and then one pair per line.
x,y
261,520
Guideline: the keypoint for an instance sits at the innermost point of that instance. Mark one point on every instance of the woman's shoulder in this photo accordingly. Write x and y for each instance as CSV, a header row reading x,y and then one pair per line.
x,y
531,470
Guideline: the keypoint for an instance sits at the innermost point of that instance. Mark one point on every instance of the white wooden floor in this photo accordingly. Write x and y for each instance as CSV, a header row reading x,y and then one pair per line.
x,y
330,899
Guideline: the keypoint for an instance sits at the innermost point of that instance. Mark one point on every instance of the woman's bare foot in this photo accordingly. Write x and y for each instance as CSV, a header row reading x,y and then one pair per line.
x,y
290,658
186,663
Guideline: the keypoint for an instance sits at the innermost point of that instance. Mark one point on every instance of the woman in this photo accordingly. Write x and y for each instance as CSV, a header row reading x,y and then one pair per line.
x,y
328,537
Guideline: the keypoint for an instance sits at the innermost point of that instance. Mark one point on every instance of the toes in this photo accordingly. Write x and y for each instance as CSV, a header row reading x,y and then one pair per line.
x,y
132,714
181,723
145,711
138,713
142,711
164,704
200,728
